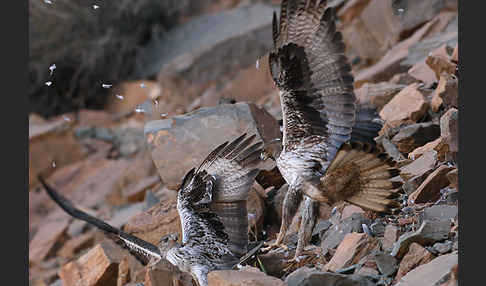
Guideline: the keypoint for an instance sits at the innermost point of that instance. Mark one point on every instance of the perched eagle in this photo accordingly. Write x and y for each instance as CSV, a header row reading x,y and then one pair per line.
x,y
211,202
328,153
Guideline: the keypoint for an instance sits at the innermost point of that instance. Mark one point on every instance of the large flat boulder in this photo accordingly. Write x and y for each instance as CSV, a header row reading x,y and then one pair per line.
x,y
182,142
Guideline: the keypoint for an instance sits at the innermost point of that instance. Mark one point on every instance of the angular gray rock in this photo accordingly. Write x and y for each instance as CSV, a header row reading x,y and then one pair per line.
x,y
424,164
449,129
415,135
305,276
431,273
442,247
391,149
180,143
439,212
428,233
386,263
335,234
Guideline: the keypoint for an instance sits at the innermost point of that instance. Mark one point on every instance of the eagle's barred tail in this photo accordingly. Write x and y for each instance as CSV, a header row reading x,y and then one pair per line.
x,y
138,247
359,174
376,191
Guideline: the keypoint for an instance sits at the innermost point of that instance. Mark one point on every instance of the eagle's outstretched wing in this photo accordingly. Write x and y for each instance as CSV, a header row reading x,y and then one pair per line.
x,y
310,69
140,248
219,190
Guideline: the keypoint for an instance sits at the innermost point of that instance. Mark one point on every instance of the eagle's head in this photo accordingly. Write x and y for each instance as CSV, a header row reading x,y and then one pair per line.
x,y
289,67
167,242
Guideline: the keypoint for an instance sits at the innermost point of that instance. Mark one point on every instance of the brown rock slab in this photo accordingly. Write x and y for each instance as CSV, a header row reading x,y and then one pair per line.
x,y
415,135
99,266
449,129
182,142
246,276
52,141
428,233
157,221
431,273
378,94
429,190
440,64
390,236
422,71
349,210
408,105
438,145
416,256
44,242
353,247
76,244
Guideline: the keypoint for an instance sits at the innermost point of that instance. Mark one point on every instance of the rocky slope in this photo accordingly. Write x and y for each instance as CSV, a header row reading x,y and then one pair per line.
x,y
123,163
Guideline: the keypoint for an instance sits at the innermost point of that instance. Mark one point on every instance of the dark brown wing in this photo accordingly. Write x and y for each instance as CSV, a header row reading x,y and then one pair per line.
x,y
309,67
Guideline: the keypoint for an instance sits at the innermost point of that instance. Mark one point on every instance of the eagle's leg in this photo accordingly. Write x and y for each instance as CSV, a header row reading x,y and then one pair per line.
x,y
309,212
291,203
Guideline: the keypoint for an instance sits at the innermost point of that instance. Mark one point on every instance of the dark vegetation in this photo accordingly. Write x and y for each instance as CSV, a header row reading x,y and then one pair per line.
x,y
89,47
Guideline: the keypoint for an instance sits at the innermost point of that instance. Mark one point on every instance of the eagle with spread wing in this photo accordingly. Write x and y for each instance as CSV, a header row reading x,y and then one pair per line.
x,y
328,152
211,203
